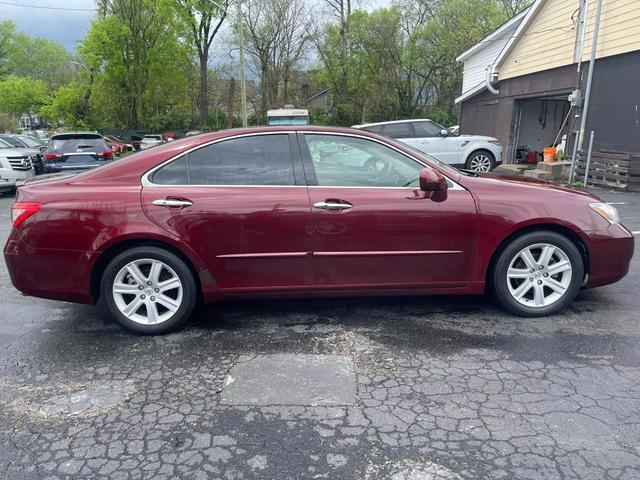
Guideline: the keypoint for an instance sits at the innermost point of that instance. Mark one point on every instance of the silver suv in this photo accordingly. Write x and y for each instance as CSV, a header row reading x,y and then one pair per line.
x,y
14,165
473,152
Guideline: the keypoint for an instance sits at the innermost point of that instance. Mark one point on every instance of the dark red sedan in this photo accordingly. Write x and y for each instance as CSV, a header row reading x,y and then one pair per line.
x,y
302,212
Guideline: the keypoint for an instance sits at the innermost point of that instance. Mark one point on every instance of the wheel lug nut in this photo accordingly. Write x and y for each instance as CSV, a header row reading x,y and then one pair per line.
x,y
143,296
153,299
531,279
140,287
532,270
539,282
149,283
545,275
157,290
541,267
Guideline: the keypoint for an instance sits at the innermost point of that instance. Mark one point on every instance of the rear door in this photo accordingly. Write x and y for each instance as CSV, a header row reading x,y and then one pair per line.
x,y
241,204
428,139
374,228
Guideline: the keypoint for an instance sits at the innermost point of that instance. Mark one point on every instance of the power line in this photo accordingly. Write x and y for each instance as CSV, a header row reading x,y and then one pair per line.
x,y
49,8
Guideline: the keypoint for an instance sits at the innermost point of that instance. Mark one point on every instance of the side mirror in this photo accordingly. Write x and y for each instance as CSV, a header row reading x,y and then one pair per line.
x,y
444,133
432,181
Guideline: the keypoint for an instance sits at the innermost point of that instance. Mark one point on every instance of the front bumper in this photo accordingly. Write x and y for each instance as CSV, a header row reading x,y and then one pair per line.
x,y
610,252
9,177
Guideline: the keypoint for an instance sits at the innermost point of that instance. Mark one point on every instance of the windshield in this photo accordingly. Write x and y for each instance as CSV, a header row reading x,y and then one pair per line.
x,y
153,137
5,144
30,141
12,142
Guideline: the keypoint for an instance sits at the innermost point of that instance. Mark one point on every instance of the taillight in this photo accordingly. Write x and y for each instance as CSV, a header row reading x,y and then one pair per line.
x,y
107,154
51,156
20,211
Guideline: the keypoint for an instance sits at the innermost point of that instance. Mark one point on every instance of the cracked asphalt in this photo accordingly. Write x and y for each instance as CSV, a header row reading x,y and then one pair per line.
x,y
425,388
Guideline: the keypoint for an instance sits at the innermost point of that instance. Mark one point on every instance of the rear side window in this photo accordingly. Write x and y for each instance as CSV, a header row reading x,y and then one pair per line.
x,y
397,130
174,173
256,160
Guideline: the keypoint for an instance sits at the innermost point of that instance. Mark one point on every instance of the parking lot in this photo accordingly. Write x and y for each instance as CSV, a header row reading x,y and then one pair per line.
x,y
368,388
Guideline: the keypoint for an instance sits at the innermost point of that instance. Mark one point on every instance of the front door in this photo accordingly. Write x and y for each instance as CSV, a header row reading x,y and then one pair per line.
x,y
374,228
428,138
242,206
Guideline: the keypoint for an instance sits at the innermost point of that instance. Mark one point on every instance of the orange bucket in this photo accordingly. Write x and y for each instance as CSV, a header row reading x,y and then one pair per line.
x,y
549,155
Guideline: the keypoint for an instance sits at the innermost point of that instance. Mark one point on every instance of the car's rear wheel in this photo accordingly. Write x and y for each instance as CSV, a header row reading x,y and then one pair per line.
x,y
538,274
481,161
149,290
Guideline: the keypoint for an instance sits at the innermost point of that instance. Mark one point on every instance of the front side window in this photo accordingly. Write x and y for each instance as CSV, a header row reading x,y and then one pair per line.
x,y
427,129
397,130
255,160
341,161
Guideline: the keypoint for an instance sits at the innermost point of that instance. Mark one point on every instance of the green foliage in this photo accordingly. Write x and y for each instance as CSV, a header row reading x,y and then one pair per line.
x,y
20,95
24,56
142,71
68,105
7,122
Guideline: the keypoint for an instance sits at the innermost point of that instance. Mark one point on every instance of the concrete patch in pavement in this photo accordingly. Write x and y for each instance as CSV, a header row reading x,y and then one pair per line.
x,y
291,379
91,399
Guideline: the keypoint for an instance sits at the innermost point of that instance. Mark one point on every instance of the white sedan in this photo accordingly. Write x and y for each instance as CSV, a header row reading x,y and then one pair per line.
x,y
473,152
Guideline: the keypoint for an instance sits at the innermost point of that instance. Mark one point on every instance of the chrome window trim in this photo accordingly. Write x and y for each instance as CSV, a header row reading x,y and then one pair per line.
x,y
147,183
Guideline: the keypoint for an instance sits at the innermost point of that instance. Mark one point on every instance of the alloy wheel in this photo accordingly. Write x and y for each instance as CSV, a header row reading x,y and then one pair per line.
x,y
147,291
539,275
480,162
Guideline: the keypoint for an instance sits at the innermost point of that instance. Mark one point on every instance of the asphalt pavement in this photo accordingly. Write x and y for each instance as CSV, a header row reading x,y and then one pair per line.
x,y
369,388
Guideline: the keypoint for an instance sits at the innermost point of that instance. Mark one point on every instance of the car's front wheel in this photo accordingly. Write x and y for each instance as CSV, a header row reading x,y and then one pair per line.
x,y
149,290
538,274
481,161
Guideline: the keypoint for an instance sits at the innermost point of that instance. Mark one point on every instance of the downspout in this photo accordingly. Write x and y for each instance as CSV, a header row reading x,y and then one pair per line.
x,y
490,87
587,96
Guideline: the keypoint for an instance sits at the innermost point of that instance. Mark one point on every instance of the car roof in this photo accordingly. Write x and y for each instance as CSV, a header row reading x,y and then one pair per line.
x,y
391,122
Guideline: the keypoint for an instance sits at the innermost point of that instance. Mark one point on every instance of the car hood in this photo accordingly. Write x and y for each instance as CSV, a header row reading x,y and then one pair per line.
x,y
530,187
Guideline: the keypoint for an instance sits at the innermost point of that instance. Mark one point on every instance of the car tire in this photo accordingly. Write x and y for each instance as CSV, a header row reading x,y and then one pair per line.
x,y
149,310
481,161
529,285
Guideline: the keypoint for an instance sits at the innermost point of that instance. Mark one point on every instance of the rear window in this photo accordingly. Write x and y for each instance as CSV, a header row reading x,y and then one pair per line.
x,y
82,143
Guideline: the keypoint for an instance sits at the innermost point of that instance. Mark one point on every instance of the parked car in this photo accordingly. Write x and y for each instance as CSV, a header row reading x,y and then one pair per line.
x,y
76,151
35,154
272,212
125,146
15,165
38,134
151,140
473,152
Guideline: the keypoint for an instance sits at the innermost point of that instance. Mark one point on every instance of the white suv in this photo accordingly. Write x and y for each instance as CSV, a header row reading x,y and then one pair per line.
x,y
151,140
14,165
473,152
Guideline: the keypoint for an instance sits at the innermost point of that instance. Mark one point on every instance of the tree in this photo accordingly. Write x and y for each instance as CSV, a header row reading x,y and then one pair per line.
x,y
204,19
277,32
22,95
67,105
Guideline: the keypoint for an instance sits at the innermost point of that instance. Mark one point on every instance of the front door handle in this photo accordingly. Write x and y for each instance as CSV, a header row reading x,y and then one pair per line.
x,y
332,206
172,203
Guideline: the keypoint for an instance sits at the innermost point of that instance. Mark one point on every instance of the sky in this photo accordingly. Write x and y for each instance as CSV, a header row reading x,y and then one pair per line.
x,y
67,21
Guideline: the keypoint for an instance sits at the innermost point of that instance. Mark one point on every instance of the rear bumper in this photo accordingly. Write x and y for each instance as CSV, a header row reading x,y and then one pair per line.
x,y
54,274
610,253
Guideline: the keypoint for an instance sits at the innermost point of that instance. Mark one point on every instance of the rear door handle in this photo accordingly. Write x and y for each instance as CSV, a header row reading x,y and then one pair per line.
x,y
172,203
332,206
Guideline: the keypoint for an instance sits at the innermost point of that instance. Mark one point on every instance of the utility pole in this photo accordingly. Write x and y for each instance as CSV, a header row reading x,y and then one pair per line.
x,y
243,85
587,95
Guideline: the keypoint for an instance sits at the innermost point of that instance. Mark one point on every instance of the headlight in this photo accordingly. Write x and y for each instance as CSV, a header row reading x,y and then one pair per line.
x,y
495,142
609,212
